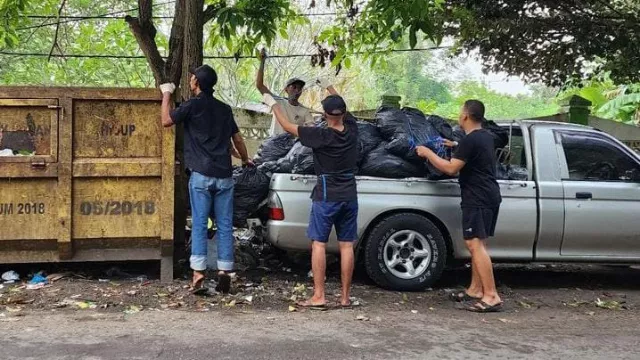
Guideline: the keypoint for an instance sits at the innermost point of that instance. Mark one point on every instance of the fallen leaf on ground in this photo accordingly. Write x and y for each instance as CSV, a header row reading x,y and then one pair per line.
x,y
292,308
524,304
231,303
609,304
506,321
362,318
414,311
132,309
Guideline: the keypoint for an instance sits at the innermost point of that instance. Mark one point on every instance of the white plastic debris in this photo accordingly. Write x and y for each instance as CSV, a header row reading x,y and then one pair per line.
x,y
6,152
10,276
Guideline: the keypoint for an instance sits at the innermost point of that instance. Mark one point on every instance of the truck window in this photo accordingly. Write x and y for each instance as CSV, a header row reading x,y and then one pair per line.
x,y
594,157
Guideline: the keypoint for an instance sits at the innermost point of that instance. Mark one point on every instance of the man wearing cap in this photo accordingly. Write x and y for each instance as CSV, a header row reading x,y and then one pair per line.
x,y
335,199
296,112
210,134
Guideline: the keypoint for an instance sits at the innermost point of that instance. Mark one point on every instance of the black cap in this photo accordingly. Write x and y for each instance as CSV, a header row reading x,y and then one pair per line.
x,y
334,105
295,81
207,77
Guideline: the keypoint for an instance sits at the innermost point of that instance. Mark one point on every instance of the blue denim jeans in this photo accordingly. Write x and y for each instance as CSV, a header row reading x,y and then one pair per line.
x,y
211,197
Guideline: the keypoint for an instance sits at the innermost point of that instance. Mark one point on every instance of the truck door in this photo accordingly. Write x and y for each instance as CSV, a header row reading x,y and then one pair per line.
x,y
516,228
601,181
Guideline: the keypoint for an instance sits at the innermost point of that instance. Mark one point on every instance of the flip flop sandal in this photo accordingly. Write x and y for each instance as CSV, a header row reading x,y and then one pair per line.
x,y
308,305
483,307
224,283
462,297
198,287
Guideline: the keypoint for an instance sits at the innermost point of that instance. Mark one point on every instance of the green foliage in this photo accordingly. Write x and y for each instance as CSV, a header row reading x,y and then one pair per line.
x,y
247,23
498,106
11,12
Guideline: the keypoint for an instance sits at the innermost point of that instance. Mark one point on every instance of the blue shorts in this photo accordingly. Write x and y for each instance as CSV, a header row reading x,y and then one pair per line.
x,y
326,214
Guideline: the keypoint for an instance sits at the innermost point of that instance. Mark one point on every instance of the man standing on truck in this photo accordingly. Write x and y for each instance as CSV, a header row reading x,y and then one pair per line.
x,y
474,159
295,112
335,199
209,131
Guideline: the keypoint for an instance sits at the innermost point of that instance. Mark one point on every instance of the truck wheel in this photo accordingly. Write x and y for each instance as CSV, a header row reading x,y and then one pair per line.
x,y
405,252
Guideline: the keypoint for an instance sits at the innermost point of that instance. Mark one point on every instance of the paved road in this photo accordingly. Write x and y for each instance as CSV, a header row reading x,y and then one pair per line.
x,y
336,334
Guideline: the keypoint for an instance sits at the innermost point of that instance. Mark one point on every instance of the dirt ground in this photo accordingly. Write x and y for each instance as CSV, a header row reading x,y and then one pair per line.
x,y
576,311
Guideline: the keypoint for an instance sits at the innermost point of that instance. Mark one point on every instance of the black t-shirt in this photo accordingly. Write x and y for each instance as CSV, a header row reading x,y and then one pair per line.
x,y
478,176
335,155
208,127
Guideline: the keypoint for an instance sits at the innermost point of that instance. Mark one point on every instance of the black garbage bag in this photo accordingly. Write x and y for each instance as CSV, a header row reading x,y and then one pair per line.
x,y
412,129
251,188
515,172
500,133
274,148
381,163
284,165
269,167
369,137
457,134
501,172
442,126
391,122
299,160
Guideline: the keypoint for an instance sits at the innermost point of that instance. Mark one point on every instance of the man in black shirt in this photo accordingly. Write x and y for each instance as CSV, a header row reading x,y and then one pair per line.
x,y
335,199
474,159
209,130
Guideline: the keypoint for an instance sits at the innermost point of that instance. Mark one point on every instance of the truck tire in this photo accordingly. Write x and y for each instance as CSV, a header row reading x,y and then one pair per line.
x,y
405,252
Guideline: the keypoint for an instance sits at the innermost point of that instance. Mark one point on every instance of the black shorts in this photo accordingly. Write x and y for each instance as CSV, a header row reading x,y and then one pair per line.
x,y
479,222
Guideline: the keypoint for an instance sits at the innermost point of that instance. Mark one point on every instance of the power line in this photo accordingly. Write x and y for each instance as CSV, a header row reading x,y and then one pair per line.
x,y
107,56
80,18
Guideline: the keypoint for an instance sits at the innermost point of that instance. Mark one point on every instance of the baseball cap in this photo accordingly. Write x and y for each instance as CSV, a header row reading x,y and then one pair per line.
x,y
334,105
293,81
207,77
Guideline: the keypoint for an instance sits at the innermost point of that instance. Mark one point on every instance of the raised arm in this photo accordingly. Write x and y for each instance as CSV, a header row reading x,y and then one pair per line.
x,y
167,91
260,77
325,84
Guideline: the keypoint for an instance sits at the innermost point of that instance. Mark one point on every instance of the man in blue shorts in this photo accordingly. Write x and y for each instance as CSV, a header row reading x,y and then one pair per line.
x,y
335,199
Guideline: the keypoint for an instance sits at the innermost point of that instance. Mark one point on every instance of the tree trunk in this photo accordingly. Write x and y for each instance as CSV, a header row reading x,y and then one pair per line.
x,y
192,54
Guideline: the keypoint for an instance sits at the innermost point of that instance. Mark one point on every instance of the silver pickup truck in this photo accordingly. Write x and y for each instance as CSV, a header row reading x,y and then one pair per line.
x,y
579,203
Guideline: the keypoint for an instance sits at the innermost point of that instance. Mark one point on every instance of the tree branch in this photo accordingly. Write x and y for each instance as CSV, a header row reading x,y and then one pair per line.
x,y
147,43
55,37
173,66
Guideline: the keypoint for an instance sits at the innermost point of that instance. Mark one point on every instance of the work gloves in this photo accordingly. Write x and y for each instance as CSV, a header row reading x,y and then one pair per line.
x,y
323,83
167,88
268,100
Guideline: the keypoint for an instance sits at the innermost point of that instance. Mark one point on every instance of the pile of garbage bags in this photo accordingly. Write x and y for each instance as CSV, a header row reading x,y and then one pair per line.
x,y
386,149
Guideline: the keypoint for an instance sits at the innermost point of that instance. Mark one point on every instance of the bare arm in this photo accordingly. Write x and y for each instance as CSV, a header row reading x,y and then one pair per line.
x,y
449,167
239,145
281,116
260,77
332,90
166,110
234,151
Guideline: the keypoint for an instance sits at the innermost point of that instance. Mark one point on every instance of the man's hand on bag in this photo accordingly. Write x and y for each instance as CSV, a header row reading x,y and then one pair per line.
x,y
167,88
248,163
449,143
422,151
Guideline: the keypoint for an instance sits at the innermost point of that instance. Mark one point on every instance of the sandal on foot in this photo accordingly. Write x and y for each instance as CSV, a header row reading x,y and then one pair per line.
x,y
462,296
224,283
483,307
309,305
197,288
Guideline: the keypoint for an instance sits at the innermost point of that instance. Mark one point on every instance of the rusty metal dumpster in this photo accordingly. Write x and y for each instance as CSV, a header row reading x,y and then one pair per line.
x,y
85,175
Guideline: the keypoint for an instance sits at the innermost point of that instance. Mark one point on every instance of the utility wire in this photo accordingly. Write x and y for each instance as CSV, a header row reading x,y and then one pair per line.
x,y
69,19
106,56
